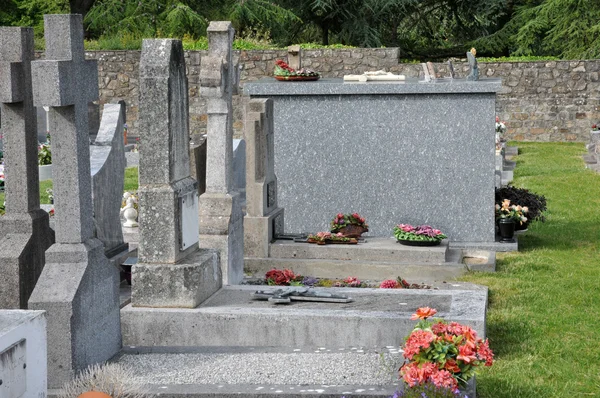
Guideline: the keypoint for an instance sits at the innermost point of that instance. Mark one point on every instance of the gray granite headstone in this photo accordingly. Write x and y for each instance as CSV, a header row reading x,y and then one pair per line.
x,y
42,123
393,152
25,233
107,164
239,167
221,217
262,213
78,288
171,271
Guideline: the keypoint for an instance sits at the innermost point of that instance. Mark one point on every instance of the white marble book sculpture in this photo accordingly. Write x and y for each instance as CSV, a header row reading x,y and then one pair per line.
x,y
379,75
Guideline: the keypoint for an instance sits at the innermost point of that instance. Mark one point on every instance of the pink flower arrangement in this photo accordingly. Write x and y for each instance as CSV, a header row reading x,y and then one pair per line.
x,y
418,233
389,284
445,354
342,220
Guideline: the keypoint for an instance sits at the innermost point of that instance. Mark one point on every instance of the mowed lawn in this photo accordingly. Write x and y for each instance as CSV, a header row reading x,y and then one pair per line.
x,y
544,310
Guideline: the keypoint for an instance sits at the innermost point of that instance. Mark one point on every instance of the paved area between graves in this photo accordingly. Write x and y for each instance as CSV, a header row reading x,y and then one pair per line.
x,y
265,366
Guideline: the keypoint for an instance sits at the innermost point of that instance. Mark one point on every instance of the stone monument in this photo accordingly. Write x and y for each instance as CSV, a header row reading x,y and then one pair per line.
x,y
263,218
171,271
107,163
221,217
78,288
25,232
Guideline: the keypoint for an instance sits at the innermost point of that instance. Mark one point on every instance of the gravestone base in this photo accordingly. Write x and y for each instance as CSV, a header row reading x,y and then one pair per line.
x,y
22,256
79,290
183,285
259,233
222,228
160,204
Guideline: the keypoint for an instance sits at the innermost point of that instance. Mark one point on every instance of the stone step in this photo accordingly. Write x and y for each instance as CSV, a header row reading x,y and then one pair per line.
x,y
373,249
226,372
375,318
364,270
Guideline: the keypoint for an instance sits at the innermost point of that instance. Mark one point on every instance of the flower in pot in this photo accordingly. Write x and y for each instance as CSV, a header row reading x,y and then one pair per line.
x,y
349,225
444,354
420,235
508,216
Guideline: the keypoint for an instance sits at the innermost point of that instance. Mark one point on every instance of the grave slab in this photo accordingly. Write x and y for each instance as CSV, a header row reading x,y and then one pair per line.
x,y
376,318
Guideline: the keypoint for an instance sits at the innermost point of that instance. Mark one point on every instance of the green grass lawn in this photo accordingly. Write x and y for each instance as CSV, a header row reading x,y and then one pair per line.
x,y
544,300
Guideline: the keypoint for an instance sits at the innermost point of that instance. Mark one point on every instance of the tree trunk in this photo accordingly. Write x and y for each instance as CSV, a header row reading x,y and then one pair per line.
x,y
325,30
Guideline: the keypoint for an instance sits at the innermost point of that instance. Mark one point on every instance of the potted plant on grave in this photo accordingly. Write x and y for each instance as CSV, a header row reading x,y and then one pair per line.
x,y
441,353
45,160
535,204
508,216
284,72
349,225
500,130
420,235
2,177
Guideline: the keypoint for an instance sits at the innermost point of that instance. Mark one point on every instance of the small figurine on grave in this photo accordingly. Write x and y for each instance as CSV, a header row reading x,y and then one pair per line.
x,y
474,73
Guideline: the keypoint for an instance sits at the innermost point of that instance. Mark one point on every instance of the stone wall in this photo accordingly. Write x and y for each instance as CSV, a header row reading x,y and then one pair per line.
x,y
540,101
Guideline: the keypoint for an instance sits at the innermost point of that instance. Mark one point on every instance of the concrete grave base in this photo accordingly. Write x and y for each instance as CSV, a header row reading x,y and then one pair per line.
x,y
183,285
376,318
258,233
78,289
23,359
222,228
22,256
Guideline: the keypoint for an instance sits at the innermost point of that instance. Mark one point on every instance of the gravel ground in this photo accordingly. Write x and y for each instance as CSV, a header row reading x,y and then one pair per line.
x,y
265,368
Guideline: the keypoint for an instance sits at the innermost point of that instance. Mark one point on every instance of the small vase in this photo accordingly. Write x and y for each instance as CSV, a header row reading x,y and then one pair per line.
x,y
507,230
352,231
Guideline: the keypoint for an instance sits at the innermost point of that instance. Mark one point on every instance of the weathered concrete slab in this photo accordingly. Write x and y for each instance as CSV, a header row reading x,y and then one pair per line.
x,y
376,318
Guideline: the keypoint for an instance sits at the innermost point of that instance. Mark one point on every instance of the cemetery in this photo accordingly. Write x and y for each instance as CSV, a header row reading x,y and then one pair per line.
x,y
361,237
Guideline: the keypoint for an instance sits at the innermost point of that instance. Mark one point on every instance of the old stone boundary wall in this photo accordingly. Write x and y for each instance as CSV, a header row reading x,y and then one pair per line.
x,y
540,101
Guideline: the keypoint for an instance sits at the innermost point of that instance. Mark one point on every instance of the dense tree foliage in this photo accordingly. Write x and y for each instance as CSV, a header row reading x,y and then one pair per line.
x,y
423,29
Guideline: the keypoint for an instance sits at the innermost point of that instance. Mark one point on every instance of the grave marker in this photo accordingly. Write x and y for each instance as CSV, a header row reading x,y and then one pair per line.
x,y
263,216
171,271
24,230
221,217
77,288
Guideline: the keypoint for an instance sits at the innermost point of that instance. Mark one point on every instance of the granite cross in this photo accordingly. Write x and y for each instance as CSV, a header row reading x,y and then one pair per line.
x,y
18,121
66,82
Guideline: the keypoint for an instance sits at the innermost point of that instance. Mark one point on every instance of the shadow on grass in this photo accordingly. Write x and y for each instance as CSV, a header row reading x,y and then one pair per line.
x,y
495,387
509,336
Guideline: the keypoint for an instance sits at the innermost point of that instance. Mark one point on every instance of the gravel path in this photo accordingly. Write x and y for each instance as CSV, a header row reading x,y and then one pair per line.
x,y
265,368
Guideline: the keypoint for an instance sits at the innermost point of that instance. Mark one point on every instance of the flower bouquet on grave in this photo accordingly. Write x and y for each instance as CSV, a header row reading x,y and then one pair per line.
x,y
284,72
500,130
323,238
421,235
595,127
445,354
349,225
2,177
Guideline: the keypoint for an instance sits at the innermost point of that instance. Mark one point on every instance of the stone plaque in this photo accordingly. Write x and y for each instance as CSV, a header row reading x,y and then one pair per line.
x,y
188,204
12,370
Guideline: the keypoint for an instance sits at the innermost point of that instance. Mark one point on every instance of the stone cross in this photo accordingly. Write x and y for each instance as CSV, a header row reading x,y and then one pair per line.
x,y
24,230
66,82
263,219
295,57
221,217
78,288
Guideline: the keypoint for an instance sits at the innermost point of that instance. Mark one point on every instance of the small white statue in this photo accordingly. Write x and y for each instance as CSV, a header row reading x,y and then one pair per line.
x,y
129,212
